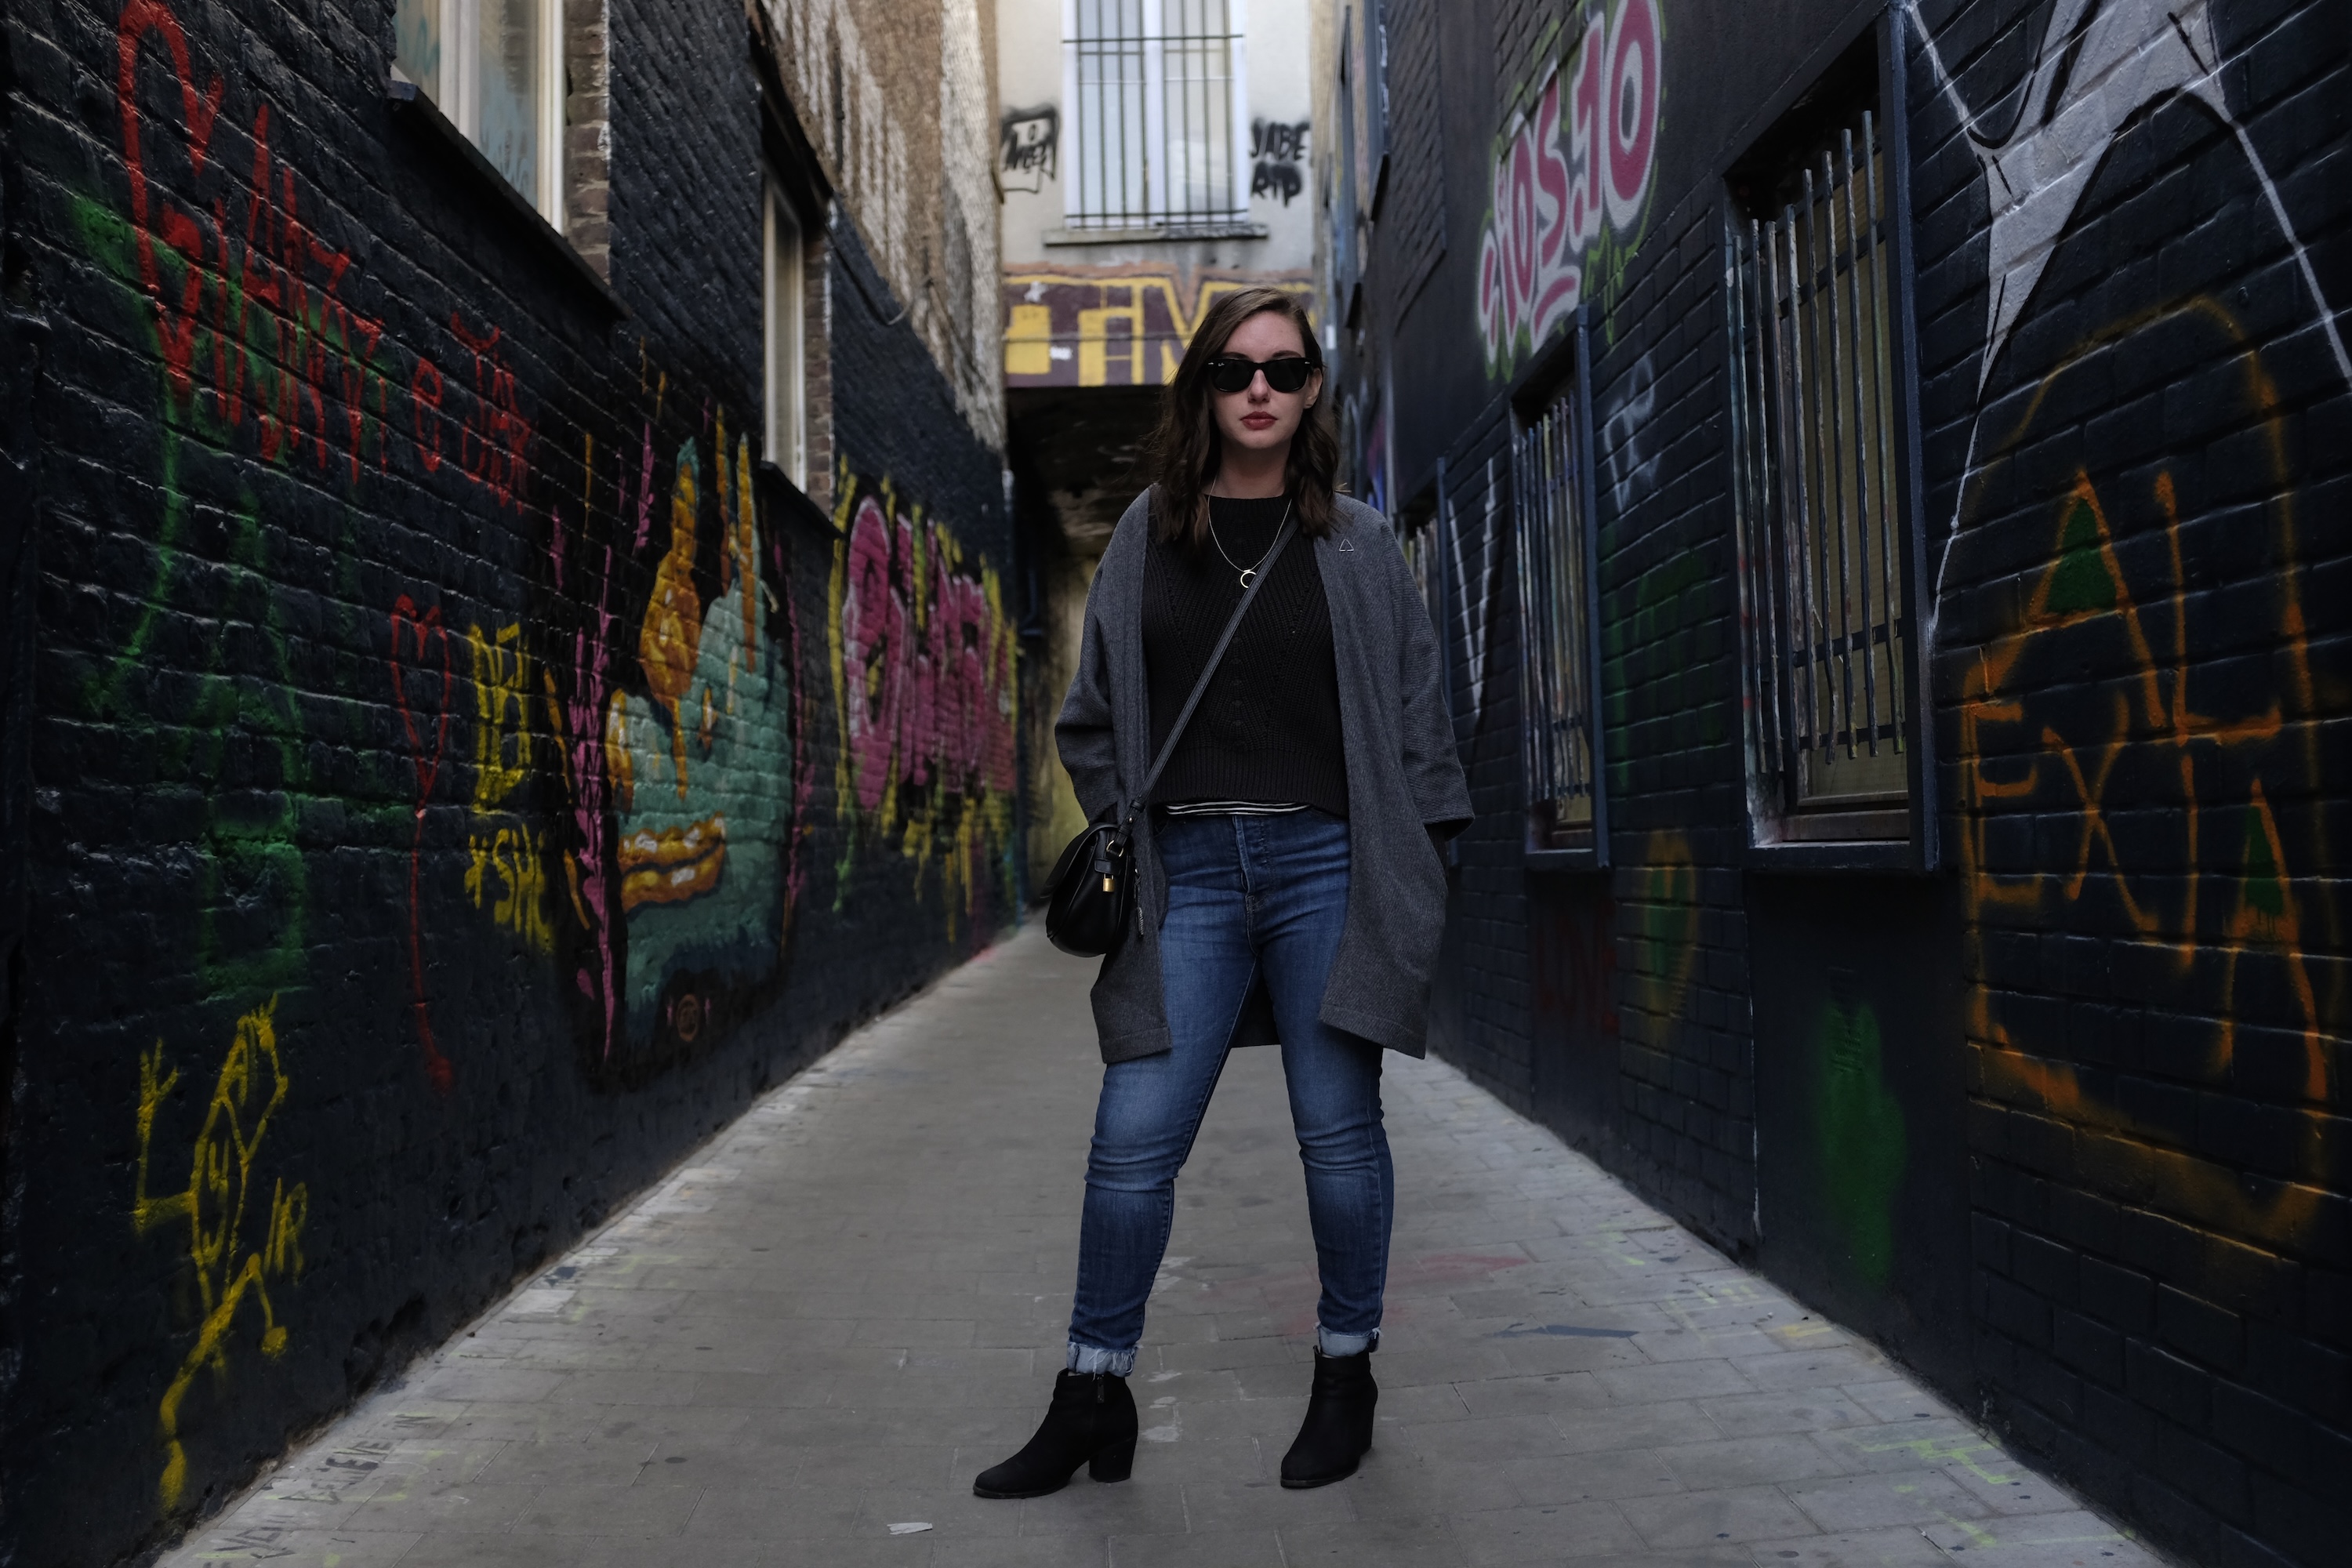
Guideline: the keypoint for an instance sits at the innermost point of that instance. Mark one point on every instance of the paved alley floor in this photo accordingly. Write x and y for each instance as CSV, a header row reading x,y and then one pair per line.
x,y
802,1347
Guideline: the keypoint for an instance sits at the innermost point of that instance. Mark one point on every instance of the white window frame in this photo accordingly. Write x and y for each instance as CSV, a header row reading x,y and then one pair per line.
x,y
783,305
456,89
1159,207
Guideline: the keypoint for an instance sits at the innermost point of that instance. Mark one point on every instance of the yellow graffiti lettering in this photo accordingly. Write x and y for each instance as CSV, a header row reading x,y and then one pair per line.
x,y
2253,773
507,869
502,709
246,1098
672,637
1112,327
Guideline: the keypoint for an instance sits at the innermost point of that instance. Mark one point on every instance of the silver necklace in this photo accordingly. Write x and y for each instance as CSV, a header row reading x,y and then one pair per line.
x,y
1247,573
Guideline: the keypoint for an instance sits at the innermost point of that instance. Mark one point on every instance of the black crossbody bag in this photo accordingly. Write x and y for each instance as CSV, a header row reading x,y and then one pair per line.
x,y
1093,896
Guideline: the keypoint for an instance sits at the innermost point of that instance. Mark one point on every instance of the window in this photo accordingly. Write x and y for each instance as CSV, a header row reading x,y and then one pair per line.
x,y
1557,558
1823,536
495,69
1160,132
786,440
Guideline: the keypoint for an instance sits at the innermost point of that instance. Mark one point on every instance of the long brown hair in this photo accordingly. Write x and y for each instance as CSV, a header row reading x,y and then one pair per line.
x,y
1186,449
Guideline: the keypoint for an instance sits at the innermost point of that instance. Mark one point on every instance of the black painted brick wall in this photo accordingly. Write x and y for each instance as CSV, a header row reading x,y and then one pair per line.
x,y
2155,961
2142,670
237,839
1669,678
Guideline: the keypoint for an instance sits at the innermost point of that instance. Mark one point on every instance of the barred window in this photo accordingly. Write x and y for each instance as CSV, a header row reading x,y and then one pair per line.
x,y
1821,526
1550,475
1159,133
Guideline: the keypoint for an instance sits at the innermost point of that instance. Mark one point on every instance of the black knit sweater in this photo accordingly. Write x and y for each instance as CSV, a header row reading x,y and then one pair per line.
x,y
1267,728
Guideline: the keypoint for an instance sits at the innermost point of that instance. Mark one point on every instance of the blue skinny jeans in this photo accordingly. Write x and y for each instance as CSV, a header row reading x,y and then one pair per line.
x,y
1245,895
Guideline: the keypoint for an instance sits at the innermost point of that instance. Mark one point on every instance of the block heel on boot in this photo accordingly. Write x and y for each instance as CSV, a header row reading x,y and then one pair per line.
x,y
1091,1423
1115,1463
1338,1431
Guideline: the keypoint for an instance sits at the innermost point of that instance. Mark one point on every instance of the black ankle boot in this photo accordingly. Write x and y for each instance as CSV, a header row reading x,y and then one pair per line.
x,y
1339,1426
1091,1423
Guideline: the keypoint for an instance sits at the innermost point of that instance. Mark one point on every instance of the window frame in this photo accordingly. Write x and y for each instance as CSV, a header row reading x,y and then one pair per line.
x,y
458,22
1158,213
1560,379
783,329
1870,49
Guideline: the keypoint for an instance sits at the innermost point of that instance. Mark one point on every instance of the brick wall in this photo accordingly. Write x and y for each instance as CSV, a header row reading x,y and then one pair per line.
x,y
1669,680
1486,1009
2058,1120
442,775
2141,657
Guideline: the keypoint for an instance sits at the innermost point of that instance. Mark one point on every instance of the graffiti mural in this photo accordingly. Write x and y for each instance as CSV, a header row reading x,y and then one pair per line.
x,y
1113,326
922,666
1658,925
1860,1140
692,758
2183,796
1477,581
2093,70
2215,894
238,1240
506,874
1572,181
441,681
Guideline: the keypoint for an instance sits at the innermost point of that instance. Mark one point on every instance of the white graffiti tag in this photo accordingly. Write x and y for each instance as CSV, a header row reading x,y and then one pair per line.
x,y
2098,69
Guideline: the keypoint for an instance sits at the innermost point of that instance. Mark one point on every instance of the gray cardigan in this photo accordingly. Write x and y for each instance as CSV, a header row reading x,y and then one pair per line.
x,y
1404,786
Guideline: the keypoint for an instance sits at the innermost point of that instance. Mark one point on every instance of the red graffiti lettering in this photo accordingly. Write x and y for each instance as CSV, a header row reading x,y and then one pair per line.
x,y
494,446
419,400
176,326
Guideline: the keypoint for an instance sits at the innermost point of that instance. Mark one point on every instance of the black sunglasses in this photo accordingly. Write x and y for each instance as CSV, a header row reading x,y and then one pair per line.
x,y
1230,373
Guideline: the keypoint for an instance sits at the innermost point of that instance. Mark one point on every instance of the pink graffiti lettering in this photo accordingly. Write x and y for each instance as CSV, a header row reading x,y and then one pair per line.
x,y
1552,204
872,661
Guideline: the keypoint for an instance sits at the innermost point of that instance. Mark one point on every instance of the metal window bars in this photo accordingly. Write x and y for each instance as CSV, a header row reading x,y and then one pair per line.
x,y
1156,138
1555,616
1821,525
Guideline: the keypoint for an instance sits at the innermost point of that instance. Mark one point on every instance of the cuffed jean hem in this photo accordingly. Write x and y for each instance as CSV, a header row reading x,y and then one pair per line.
x,y
1338,1344
1092,1359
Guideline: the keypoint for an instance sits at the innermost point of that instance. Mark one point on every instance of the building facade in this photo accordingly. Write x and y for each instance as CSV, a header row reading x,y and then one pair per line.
x,y
1151,155
1876,469
509,648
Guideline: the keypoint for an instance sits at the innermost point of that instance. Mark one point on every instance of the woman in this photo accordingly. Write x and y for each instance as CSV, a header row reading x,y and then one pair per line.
x,y
1289,885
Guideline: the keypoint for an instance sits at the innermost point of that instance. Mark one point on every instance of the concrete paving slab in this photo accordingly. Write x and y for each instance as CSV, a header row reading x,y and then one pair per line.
x,y
827,1321
1702,1518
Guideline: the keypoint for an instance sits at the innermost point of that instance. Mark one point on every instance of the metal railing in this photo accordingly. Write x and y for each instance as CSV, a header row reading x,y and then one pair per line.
x,y
1155,130
1555,614
1828,641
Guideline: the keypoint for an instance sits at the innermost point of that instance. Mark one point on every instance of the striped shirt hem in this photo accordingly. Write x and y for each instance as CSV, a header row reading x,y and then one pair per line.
x,y
1233,807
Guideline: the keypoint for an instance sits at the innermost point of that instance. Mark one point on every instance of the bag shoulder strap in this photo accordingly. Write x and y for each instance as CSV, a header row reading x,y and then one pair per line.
x,y
1216,655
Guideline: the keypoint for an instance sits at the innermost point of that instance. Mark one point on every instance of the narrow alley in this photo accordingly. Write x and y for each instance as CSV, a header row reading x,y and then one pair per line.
x,y
801,1347
571,569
